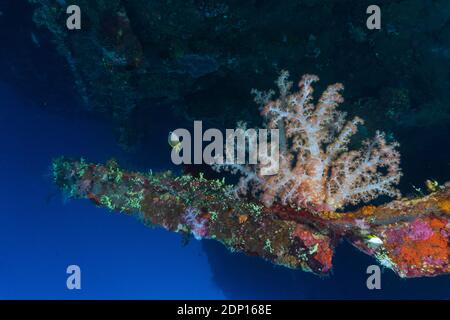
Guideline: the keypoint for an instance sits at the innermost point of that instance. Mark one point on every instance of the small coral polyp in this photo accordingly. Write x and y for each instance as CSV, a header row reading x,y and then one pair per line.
x,y
317,171
196,223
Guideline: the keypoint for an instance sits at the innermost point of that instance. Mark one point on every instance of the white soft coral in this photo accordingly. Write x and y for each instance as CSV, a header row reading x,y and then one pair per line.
x,y
316,170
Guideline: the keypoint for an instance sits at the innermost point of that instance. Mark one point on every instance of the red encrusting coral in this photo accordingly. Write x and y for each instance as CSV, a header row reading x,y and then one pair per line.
x,y
317,247
421,247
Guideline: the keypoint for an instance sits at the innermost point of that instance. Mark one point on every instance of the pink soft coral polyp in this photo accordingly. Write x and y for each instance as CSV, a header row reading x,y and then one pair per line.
x,y
316,169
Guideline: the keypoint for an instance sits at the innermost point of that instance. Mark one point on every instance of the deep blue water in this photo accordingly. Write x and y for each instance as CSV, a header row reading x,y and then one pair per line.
x,y
41,233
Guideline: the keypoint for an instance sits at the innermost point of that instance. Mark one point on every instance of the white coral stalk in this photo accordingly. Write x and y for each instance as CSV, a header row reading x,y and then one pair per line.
x,y
316,169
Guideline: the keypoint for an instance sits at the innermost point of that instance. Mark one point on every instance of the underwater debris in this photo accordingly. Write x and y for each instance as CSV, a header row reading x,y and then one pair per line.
x,y
409,236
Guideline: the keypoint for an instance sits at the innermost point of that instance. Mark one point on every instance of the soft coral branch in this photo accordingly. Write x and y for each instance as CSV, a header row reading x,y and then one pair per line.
x,y
316,169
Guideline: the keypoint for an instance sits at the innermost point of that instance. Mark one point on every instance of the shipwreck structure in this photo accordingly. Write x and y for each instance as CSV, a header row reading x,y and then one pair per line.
x,y
409,236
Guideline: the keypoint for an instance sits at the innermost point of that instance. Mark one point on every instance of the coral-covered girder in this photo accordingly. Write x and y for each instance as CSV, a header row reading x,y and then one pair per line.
x,y
409,236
